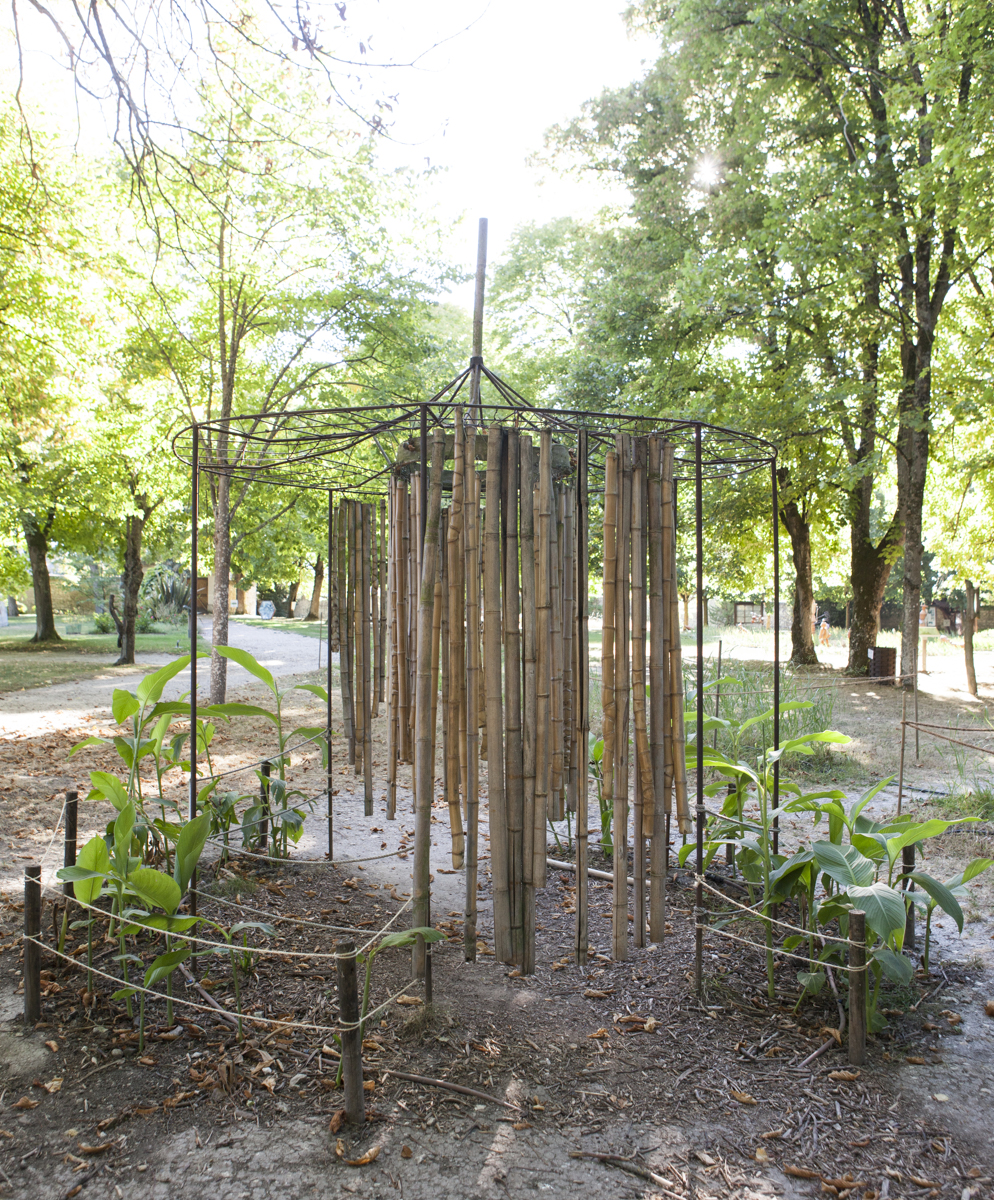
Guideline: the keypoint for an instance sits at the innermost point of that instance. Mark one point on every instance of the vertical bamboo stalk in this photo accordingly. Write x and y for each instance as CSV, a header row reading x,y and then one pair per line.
x,y
381,673
644,784
622,687
436,648
608,699
393,707
444,665
514,765
344,677
492,641
376,660
670,630
471,516
582,701
543,655
529,700
334,642
425,744
657,695
457,649
676,673
367,663
403,569
355,634
556,812
569,643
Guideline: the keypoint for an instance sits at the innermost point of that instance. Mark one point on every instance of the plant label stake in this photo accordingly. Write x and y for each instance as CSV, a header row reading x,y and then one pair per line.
x,y
69,856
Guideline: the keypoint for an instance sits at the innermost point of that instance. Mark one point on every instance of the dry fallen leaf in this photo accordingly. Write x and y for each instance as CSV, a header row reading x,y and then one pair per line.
x,y
844,1076
772,1134
600,1033
914,1060
406,1152
923,1183
25,1102
148,1061
366,1158
651,1025
704,1157
941,1097
800,1172
761,1156
743,1097
989,1008
833,1033
410,1000
337,1121
340,1148
53,1085
95,1149
519,1125
369,1085
598,994
53,1046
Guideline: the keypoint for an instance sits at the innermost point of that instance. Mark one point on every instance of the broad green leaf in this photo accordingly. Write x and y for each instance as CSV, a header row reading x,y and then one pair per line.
x,y
189,846
918,831
858,805
315,689
93,856
407,937
246,660
169,923
77,873
811,981
90,741
165,964
159,732
941,894
124,993
884,907
237,710
262,926
870,847
150,688
155,887
125,750
895,966
123,705
109,787
123,828
975,868
846,867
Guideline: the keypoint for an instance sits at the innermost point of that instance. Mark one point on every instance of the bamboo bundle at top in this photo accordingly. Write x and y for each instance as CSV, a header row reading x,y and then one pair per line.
x,y
543,655
657,694
608,699
582,700
471,506
643,760
457,648
622,689
526,488
493,638
513,753
424,747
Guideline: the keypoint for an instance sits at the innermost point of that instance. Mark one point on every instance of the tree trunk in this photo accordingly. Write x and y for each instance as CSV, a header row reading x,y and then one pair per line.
x,y
240,609
870,569
222,578
291,598
315,610
912,468
134,527
969,628
36,537
802,647
12,609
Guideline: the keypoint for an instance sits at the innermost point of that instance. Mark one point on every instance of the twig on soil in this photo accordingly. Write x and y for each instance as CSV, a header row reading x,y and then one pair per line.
x,y
191,982
452,1087
625,1164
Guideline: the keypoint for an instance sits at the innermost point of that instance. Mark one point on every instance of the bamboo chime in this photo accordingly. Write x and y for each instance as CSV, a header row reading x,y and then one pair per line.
x,y
487,625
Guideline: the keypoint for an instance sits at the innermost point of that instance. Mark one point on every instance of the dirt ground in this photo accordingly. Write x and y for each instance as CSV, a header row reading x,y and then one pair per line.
x,y
710,1098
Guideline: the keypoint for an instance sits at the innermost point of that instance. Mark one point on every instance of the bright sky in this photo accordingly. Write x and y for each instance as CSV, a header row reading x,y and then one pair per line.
x,y
480,103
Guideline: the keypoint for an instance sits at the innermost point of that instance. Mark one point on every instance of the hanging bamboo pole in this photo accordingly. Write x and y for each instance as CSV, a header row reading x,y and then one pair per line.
x,y
556,812
529,699
376,661
608,699
622,687
333,594
403,570
643,758
676,664
543,655
443,558
344,658
382,641
657,695
393,708
492,640
569,646
471,511
367,674
514,764
436,647
361,650
457,647
582,700
425,748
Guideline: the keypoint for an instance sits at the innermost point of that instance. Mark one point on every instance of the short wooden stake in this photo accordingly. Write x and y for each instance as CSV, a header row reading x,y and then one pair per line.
x,y
857,987
32,947
908,865
264,796
69,855
348,1010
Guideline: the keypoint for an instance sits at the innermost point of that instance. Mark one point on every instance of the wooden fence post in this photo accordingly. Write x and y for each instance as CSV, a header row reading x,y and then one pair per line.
x,y
857,987
32,948
348,1009
266,769
69,857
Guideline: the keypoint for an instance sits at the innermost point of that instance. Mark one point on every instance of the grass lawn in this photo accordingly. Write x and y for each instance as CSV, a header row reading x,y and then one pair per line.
x,y
312,629
23,664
